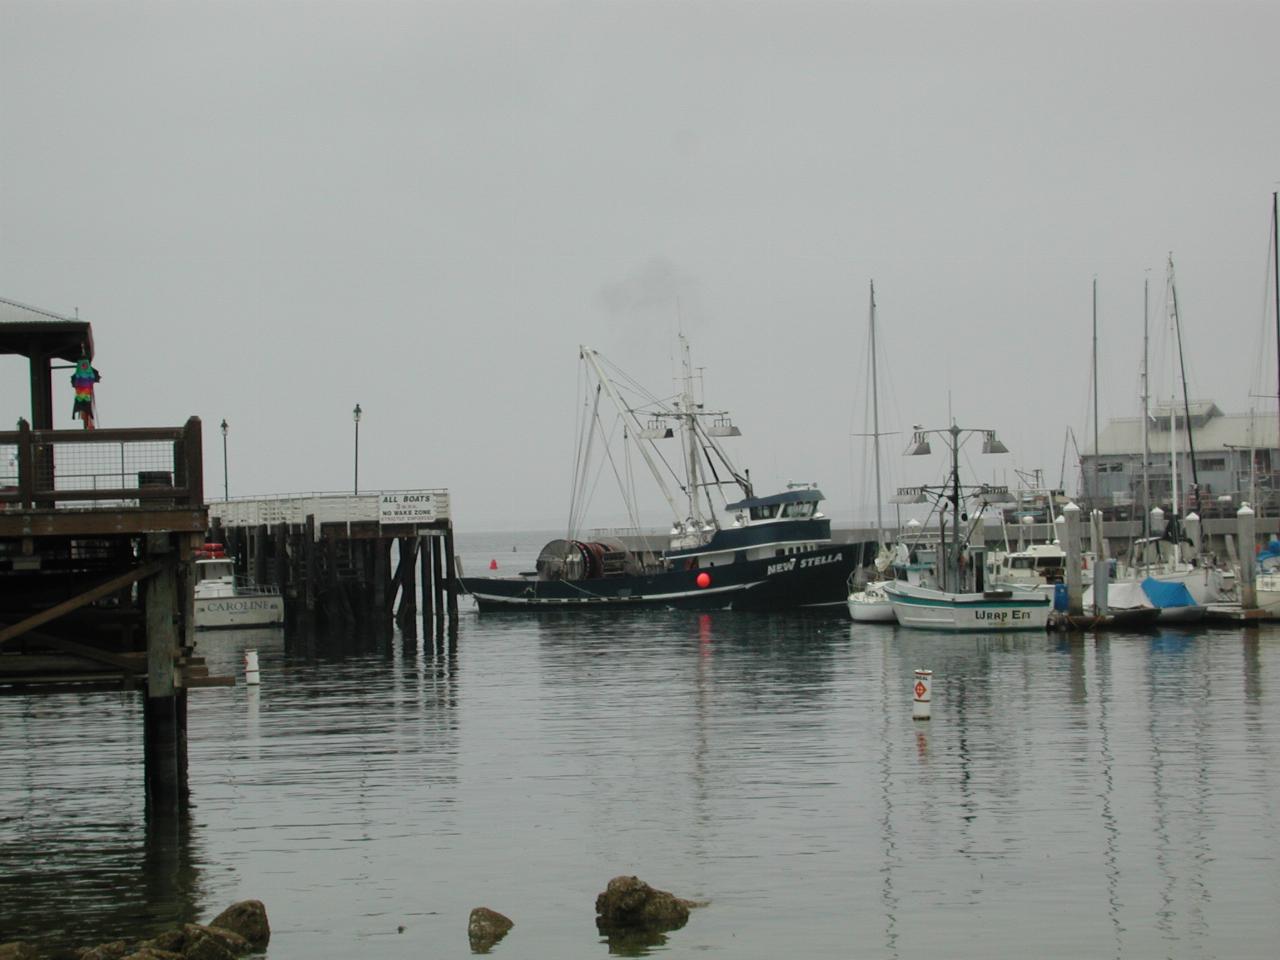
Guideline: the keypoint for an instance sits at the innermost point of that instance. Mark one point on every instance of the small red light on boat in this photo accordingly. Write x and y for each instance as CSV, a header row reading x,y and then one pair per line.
x,y
703,580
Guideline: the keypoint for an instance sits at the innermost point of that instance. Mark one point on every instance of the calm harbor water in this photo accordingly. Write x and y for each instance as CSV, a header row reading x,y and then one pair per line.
x,y
1102,796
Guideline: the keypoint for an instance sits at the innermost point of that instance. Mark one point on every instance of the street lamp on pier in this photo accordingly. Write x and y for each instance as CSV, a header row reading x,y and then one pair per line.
x,y
225,494
355,415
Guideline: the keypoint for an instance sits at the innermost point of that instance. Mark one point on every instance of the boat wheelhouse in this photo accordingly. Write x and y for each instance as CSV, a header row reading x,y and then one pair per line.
x,y
223,599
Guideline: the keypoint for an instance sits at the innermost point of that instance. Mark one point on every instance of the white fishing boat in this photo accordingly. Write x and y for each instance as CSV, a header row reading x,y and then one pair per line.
x,y
1014,608
223,600
1037,566
960,601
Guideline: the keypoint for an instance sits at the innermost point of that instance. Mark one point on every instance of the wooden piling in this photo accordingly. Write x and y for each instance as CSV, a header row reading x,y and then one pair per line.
x,y
407,614
451,576
310,567
337,568
280,554
381,598
261,554
438,573
163,741
428,590
1075,587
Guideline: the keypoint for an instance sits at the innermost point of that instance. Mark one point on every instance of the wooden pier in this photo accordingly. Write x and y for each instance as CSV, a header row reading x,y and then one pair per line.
x,y
97,530
348,562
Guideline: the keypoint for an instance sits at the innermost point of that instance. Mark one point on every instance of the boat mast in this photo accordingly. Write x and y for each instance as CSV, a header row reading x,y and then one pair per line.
x,y
1186,403
1146,416
1173,423
875,416
688,419
1096,452
1275,254
955,510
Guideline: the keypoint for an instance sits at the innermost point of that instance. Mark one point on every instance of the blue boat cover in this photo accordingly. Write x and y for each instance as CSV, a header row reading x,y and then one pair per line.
x,y
1268,555
1162,594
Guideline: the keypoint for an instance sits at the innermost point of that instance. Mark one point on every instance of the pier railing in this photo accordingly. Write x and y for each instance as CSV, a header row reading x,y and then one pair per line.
x,y
95,469
382,508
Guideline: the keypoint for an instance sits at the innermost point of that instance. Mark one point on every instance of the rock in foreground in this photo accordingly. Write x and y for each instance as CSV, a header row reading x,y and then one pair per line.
x,y
629,905
248,918
486,927
238,930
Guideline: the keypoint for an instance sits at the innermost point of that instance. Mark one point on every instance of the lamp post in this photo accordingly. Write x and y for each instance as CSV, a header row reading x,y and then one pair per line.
x,y
225,494
953,492
355,415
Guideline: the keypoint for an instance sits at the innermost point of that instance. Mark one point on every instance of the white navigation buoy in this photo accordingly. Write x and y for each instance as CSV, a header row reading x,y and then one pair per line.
x,y
251,675
922,691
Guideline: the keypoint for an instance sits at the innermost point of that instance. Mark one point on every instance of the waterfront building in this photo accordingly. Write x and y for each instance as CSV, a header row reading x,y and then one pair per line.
x,y
1237,459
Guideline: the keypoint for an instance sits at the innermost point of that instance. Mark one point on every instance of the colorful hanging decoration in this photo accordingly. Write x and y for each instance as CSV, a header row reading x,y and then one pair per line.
x,y
83,379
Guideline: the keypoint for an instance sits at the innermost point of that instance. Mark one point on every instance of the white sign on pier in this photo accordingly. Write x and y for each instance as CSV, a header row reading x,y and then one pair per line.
x,y
417,506
393,507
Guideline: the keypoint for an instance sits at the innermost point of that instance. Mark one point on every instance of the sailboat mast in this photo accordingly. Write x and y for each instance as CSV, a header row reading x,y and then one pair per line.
x,y
1146,415
875,415
1173,417
1096,452
1186,402
1275,255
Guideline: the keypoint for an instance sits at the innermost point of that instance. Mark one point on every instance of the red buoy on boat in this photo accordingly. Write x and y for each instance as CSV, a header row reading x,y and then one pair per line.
x,y
703,580
493,564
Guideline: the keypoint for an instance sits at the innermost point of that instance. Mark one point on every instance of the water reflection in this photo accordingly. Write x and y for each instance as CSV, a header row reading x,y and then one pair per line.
x,y
1107,795
81,858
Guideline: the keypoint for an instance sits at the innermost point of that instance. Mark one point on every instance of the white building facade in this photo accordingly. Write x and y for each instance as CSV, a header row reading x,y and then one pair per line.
x,y
1237,459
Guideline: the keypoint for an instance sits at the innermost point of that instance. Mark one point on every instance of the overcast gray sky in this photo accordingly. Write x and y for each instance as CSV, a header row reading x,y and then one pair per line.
x,y
273,211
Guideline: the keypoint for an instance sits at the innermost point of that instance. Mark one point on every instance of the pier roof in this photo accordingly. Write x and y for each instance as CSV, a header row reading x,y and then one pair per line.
x,y
33,332
1221,431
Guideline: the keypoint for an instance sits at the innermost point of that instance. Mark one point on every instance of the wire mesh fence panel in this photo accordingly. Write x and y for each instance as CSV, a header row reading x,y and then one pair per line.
x,y
8,468
112,466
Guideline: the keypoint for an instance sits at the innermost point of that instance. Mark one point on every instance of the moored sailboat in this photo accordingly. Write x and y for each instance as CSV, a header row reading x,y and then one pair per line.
x,y
1267,569
1161,576
870,603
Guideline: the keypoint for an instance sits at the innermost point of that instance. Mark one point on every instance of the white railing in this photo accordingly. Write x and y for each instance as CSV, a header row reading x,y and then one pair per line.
x,y
294,508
